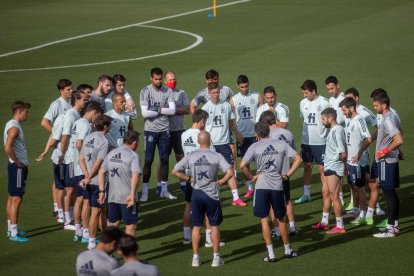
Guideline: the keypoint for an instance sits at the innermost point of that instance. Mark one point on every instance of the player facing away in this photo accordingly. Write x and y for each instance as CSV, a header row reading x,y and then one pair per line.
x,y
281,110
244,105
99,261
313,136
269,156
157,103
128,249
334,166
358,139
389,139
15,149
93,153
123,166
204,165
220,120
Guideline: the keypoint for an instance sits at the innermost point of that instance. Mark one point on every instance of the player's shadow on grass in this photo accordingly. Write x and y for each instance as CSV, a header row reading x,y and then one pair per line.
x,y
43,230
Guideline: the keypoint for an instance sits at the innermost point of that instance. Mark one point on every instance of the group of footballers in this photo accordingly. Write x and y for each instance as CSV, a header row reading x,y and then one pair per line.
x,y
97,171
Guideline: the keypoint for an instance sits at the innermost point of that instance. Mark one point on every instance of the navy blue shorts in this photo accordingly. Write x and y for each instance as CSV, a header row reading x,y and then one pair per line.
x,y
202,205
356,175
388,175
265,199
331,172
79,190
374,170
92,194
188,191
313,153
17,179
119,212
286,189
59,176
247,142
154,139
225,150
70,179
175,140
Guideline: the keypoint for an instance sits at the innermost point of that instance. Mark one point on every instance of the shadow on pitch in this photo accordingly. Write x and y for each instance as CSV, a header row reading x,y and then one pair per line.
x,y
43,230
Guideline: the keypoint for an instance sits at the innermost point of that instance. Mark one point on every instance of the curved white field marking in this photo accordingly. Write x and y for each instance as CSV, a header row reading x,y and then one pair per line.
x,y
198,41
102,32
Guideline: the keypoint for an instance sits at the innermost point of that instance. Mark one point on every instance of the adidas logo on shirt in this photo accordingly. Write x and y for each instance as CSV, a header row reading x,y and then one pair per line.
x,y
189,142
87,268
269,150
90,143
202,162
116,158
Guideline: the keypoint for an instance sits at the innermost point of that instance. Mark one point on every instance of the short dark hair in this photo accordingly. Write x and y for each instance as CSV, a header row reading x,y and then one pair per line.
x,y
331,79
268,117
76,96
212,85
269,89
352,91
382,98
101,121
105,77
156,71
199,114
92,106
84,86
309,85
131,136
128,245
262,129
329,112
18,105
212,74
378,91
242,79
348,102
62,83
118,77
110,234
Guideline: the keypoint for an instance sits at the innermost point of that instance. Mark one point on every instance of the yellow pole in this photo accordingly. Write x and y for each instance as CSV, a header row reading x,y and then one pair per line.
x,y
214,8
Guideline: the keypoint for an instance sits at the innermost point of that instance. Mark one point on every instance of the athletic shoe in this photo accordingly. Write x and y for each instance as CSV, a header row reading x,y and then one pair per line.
x,y
269,260
196,262
320,226
303,199
186,241
292,254
54,214
336,230
167,195
379,212
385,234
275,234
248,194
350,206
69,226
354,212
382,224
359,221
85,240
217,261
18,238
293,231
210,244
77,238
93,245
369,221
183,188
239,202
396,230
19,232
144,197
60,220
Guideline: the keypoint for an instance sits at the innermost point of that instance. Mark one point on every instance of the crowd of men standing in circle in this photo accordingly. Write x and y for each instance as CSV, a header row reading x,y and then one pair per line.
x,y
97,171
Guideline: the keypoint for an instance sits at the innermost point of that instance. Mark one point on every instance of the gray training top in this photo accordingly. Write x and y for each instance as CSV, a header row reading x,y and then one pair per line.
x,y
95,146
95,262
285,135
136,268
389,127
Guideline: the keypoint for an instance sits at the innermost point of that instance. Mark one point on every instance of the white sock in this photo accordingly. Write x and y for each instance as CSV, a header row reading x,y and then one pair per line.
x,y
341,196
13,230
78,229
216,255
390,228
235,194
92,242
287,248
164,187
67,218
208,236
55,207
370,212
340,222
85,233
396,223
378,206
292,225
145,188
325,218
196,256
270,251
8,225
249,185
352,199
71,213
60,213
362,214
187,233
306,190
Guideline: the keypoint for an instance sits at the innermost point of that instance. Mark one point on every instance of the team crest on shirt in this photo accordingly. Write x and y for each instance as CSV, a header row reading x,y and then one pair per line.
x,y
352,128
319,108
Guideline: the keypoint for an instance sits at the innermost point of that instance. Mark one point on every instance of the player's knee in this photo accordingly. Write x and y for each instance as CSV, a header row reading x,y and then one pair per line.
x,y
148,162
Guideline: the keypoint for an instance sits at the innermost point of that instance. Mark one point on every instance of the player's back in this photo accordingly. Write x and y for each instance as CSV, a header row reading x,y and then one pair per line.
x,y
95,262
136,268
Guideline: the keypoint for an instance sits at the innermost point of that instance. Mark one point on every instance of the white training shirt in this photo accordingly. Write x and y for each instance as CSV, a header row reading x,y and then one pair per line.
x,y
281,111
245,108
313,133
356,131
217,123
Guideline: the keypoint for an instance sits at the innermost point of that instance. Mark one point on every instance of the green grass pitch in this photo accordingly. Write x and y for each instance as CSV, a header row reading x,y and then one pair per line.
x,y
366,44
